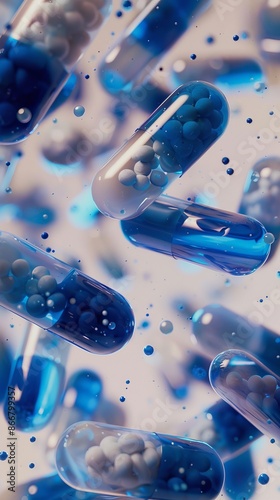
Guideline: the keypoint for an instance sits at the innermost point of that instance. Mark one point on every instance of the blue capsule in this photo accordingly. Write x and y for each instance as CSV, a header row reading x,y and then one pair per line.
x,y
268,30
62,300
36,57
155,30
5,367
162,149
104,459
250,387
217,329
240,477
217,239
36,379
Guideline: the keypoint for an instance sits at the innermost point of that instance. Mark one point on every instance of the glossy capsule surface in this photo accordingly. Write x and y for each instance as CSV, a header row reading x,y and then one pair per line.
x,y
110,460
250,387
179,132
37,53
37,377
151,34
220,240
217,328
61,299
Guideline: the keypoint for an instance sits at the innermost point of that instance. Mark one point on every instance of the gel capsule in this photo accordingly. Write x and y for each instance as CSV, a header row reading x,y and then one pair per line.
x,y
179,132
112,460
37,376
38,51
217,328
250,387
58,298
151,34
220,240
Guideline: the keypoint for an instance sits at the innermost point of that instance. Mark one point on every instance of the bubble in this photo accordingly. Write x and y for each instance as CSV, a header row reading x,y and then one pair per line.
x,y
44,235
225,160
122,399
24,115
148,350
31,465
3,455
249,120
112,325
263,478
235,38
127,4
166,327
230,171
32,439
79,111
193,56
269,238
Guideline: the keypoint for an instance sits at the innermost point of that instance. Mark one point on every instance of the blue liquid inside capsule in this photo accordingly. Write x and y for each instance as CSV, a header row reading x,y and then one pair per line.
x,y
29,77
38,382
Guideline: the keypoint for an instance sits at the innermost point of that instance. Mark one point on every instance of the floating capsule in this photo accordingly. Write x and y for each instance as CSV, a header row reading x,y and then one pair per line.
x,y
115,460
149,36
249,387
228,73
223,428
79,402
179,132
217,329
268,30
60,299
220,240
240,478
38,52
37,378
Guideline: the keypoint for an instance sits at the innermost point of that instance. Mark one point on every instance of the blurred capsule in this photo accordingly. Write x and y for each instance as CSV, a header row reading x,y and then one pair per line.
x,y
217,328
269,30
72,88
36,379
249,387
240,479
228,74
9,157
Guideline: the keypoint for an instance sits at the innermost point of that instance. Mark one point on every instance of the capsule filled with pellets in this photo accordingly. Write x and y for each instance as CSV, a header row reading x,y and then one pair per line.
x,y
37,376
219,240
37,53
250,387
61,299
149,36
179,132
217,328
110,460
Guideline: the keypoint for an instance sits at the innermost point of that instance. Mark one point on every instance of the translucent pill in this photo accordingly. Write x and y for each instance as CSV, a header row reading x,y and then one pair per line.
x,y
217,329
37,54
163,467
261,197
223,428
228,73
150,35
250,387
37,376
268,30
179,132
217,239
75,309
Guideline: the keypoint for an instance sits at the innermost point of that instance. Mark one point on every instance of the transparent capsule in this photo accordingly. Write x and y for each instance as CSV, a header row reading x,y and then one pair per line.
x,y
220,240
261,197
268,30
179,132
250,387
149,36
37,54
227,73
114,460
223,428
80,401
217,329
37,379
61,299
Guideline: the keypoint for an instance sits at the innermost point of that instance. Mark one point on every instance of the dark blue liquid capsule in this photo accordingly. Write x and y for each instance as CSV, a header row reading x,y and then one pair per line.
x,y
217,329
217,239
5,367
240,479
58,298
37,379
155,30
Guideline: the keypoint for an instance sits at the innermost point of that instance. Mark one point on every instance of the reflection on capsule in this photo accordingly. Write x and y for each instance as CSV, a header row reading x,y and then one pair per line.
x,y
37,378
217,328
179,132
268,30
58,298
228,74
109,459
223,428
250,387
79,402
38,51
220,240
151,34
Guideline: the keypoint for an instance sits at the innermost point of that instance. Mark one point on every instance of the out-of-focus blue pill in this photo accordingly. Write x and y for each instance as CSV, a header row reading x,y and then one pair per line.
x,y
268,26
5,367
240,479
